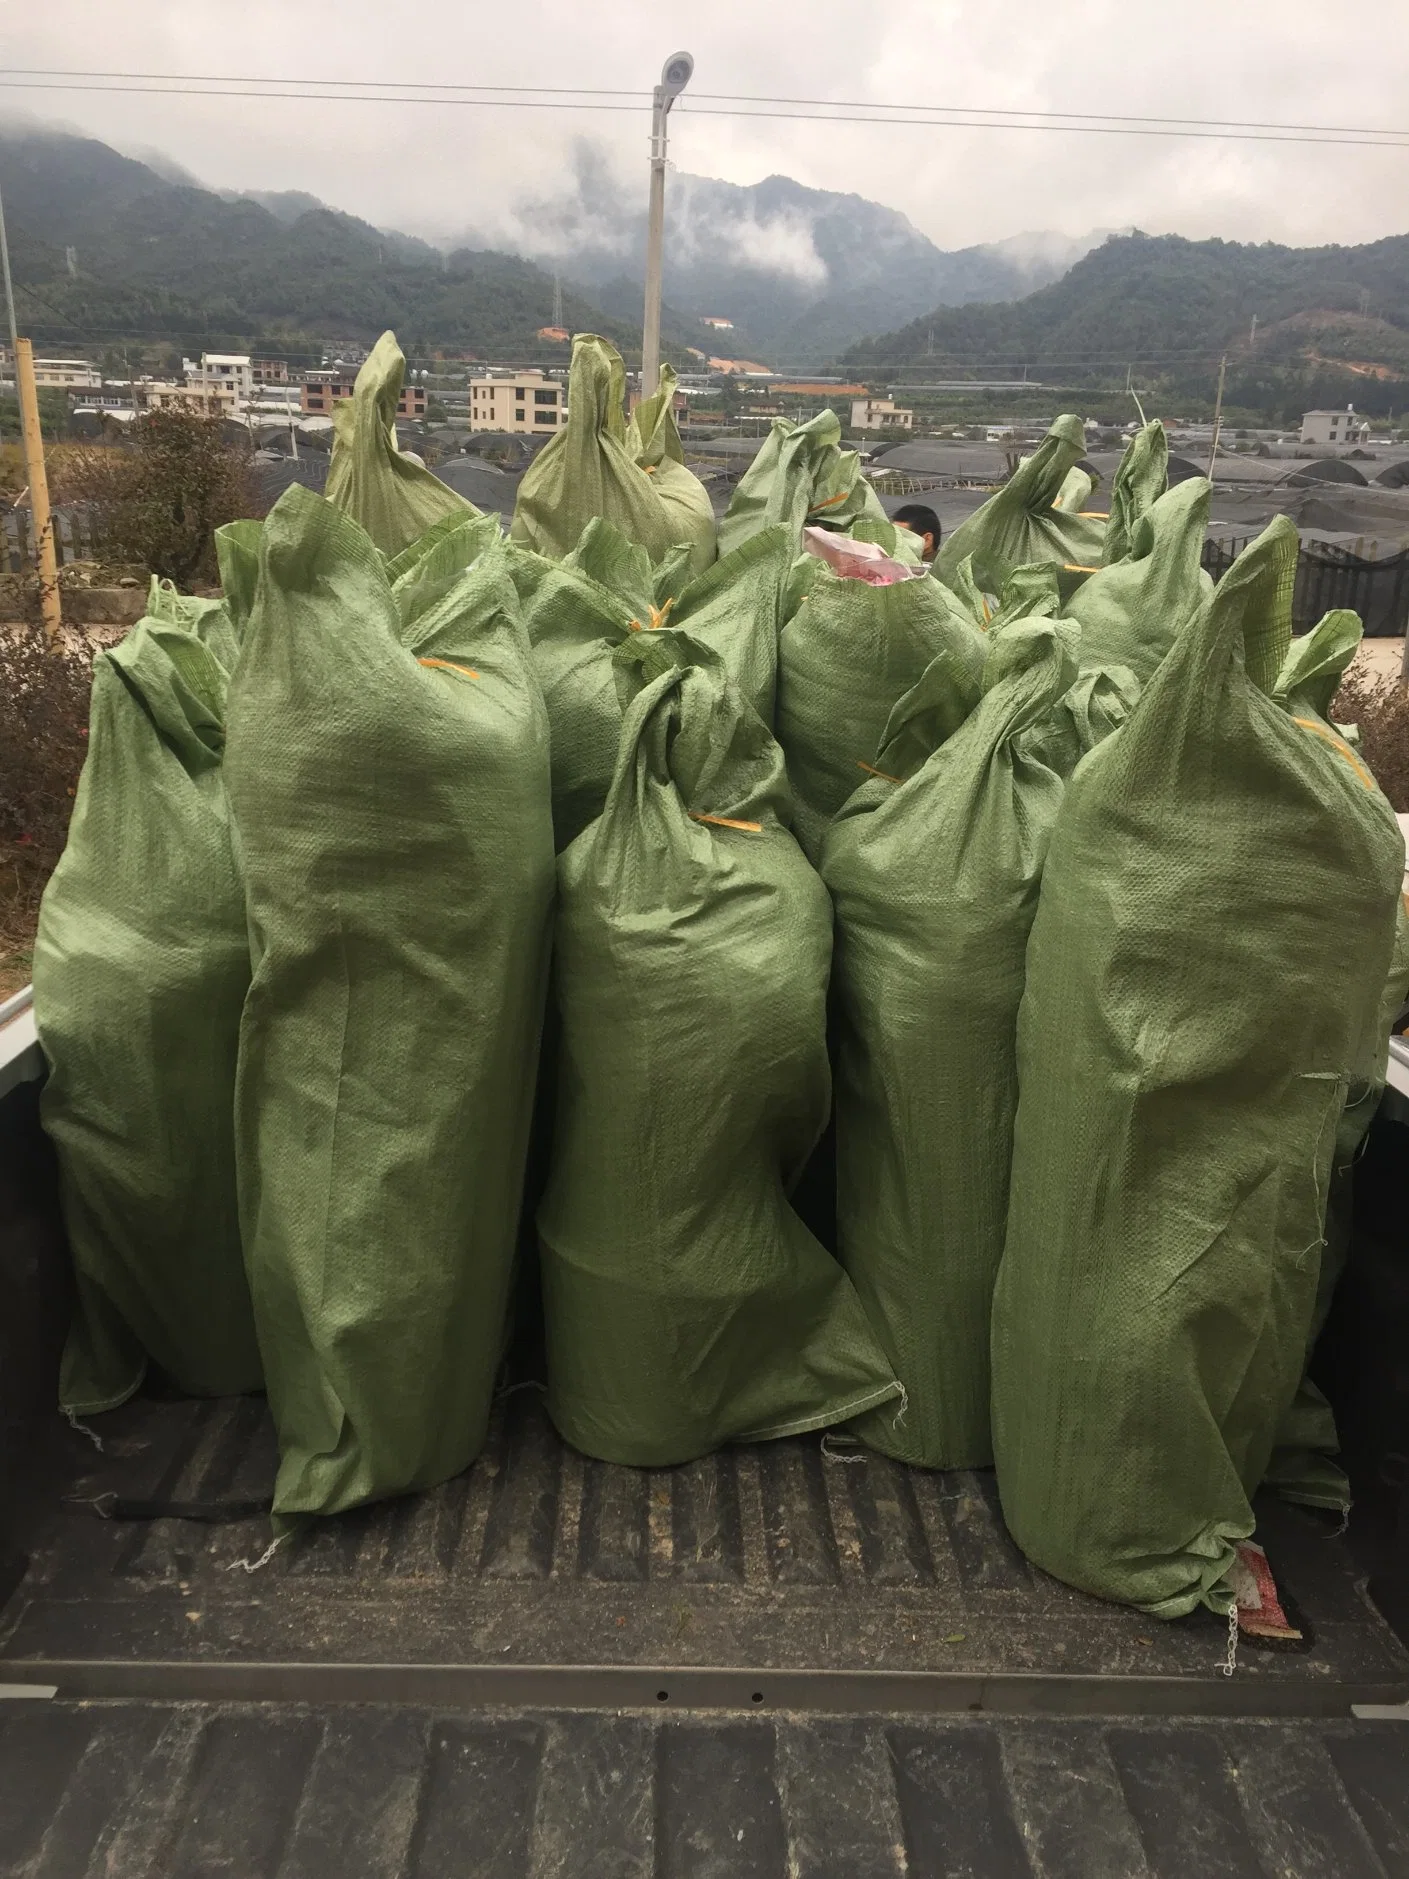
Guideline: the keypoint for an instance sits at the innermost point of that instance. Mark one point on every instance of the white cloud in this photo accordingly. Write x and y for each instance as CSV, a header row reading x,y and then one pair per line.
x,y
437,168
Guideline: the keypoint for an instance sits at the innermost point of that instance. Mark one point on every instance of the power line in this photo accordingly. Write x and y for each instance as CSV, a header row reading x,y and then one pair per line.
x,y
316,97
297,85
1104,117
921,117
1397,142
370,84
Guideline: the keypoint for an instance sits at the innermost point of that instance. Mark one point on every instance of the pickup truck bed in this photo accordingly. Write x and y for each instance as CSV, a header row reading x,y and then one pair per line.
x,y
774,1661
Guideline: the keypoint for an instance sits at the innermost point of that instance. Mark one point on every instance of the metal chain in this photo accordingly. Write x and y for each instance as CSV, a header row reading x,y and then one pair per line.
x,y
257,1565
1230,1662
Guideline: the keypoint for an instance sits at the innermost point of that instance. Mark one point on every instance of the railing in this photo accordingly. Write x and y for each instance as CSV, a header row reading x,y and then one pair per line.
x,y
77,537
1328,576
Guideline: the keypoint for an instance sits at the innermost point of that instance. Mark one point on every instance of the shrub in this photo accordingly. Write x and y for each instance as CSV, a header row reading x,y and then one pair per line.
x,y
1380,706
160,498
44,694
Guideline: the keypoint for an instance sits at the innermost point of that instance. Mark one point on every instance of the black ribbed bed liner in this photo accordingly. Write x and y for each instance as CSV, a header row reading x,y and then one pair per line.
x,y
185,1791
777,1555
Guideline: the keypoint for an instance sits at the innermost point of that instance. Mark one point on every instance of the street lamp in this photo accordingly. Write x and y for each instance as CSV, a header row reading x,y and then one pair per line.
x,y
675,76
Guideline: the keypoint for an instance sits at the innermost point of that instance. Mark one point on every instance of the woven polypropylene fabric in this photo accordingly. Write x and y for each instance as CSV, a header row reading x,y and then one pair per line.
x,y
845,658
732,614
423,574
935,881
1304,1466
801,475
1141,478
1215,927
1132,611
686,1303
1019,525
653,441
587,470
140,970
237,553
369,477
390,792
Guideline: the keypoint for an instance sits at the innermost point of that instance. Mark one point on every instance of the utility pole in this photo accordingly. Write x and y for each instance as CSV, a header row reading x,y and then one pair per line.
x,y
33,442
675,76
38,488
1217,414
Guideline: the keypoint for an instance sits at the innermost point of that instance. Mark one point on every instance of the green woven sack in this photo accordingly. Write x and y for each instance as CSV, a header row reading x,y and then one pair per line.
x,y
1131,612
1141,478
1303,1467
237,553
390,792
1019,524
575,620
1074,496
369,477
589,470
847,655
653,439
140,970
424,573
801,475
686,1303
1215,928
935,884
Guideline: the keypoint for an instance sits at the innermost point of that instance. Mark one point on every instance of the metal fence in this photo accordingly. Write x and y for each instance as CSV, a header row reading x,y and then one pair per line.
x,y
77,537
1329,576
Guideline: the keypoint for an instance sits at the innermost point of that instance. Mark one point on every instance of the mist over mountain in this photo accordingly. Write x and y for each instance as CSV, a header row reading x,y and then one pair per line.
x,y
107,249
802,273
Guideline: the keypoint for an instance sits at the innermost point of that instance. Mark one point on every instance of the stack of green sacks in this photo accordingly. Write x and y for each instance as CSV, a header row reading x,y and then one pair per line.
x,y
1215,928
686,1303
594,467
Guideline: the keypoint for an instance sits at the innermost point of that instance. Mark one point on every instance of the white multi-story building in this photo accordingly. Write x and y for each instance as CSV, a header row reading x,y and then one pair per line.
x,y
1334,427
66,375
223,381
529,403
880,414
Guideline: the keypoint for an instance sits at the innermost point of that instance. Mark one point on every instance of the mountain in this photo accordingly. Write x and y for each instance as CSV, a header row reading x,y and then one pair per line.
x,y
801,272
285,205
161,259
1332,324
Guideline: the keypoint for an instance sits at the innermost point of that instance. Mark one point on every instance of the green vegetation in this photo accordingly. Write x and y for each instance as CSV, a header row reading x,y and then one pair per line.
x,y
1332,327
166,267
160,497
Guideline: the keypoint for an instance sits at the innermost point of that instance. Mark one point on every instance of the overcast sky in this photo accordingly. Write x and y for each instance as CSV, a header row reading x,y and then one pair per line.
x,y
437,169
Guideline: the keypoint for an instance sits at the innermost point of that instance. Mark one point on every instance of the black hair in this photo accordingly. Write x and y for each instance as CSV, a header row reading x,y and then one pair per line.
x,y
922,520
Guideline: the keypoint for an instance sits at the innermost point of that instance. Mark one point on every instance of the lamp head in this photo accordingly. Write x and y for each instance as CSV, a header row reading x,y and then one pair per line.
x,y
676,74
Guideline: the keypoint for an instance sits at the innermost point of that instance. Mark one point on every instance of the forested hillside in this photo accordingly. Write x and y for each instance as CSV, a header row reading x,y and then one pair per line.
x,y
103,249
1332,324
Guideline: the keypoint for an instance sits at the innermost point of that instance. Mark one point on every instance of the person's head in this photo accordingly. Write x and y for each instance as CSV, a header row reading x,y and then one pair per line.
x,y
922,522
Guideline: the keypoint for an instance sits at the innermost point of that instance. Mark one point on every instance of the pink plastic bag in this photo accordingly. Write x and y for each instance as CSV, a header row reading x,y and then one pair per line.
x,y
857,561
